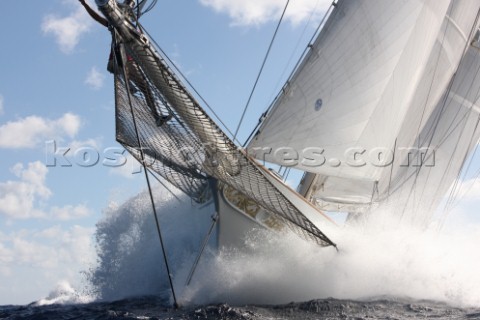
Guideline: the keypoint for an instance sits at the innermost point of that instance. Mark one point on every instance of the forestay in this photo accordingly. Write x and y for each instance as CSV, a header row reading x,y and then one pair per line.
x,y
189,149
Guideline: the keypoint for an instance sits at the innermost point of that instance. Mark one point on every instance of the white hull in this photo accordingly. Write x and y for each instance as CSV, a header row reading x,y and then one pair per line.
x,y
233,224
239,215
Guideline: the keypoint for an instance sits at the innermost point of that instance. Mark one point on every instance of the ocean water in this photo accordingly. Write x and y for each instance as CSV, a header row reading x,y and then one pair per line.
x,y
378,273
154,308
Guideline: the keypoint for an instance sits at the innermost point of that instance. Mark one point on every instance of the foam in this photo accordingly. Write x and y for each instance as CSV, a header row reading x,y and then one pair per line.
x,y
272,269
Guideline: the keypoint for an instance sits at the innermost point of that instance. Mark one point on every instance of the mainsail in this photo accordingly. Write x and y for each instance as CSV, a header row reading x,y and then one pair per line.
x,y
189,149
385,84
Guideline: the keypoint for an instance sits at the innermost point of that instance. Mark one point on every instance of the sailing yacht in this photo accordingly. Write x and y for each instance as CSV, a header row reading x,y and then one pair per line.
x,y
380,113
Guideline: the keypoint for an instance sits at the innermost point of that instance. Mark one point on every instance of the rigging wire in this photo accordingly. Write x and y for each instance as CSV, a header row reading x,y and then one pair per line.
x,y
139,7
187,81
431,133
202,248
142,155
143,30
391,169
455,189
153,173
303,57
437,63
307,24
261,70
452,195
451,130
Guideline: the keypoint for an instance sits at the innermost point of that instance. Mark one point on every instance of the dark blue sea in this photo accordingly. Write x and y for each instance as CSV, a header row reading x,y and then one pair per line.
x,y
378,272
155,308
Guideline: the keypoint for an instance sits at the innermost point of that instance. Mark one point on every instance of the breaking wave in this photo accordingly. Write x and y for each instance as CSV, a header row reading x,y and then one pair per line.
x,y
275,269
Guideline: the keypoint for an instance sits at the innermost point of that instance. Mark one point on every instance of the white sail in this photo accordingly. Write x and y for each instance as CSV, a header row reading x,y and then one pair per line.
x,y
373,78
427,128
449,135
355,84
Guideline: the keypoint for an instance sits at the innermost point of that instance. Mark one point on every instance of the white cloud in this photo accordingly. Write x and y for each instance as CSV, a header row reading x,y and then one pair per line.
x,y
6,255
29,132
1,104
70,212
70,123
67,30
25,198
257,12
31,261
95,79
17,198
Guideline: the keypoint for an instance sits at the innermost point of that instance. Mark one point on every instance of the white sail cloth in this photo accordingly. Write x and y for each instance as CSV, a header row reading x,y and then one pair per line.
x,y
372,79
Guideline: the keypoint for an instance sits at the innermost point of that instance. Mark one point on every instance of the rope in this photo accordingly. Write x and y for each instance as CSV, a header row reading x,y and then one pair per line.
x,y
260,72
250,174
432,131
391,169
186,80
153,173
295,68
139,7
292,54
202,248
437,62
472,30
142,155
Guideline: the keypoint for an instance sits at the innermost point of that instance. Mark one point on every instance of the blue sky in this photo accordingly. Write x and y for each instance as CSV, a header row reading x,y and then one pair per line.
x,y
54,87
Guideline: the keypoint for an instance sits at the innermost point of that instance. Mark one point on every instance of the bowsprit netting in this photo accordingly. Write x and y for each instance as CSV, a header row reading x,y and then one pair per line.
x,y
169,150
188,148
